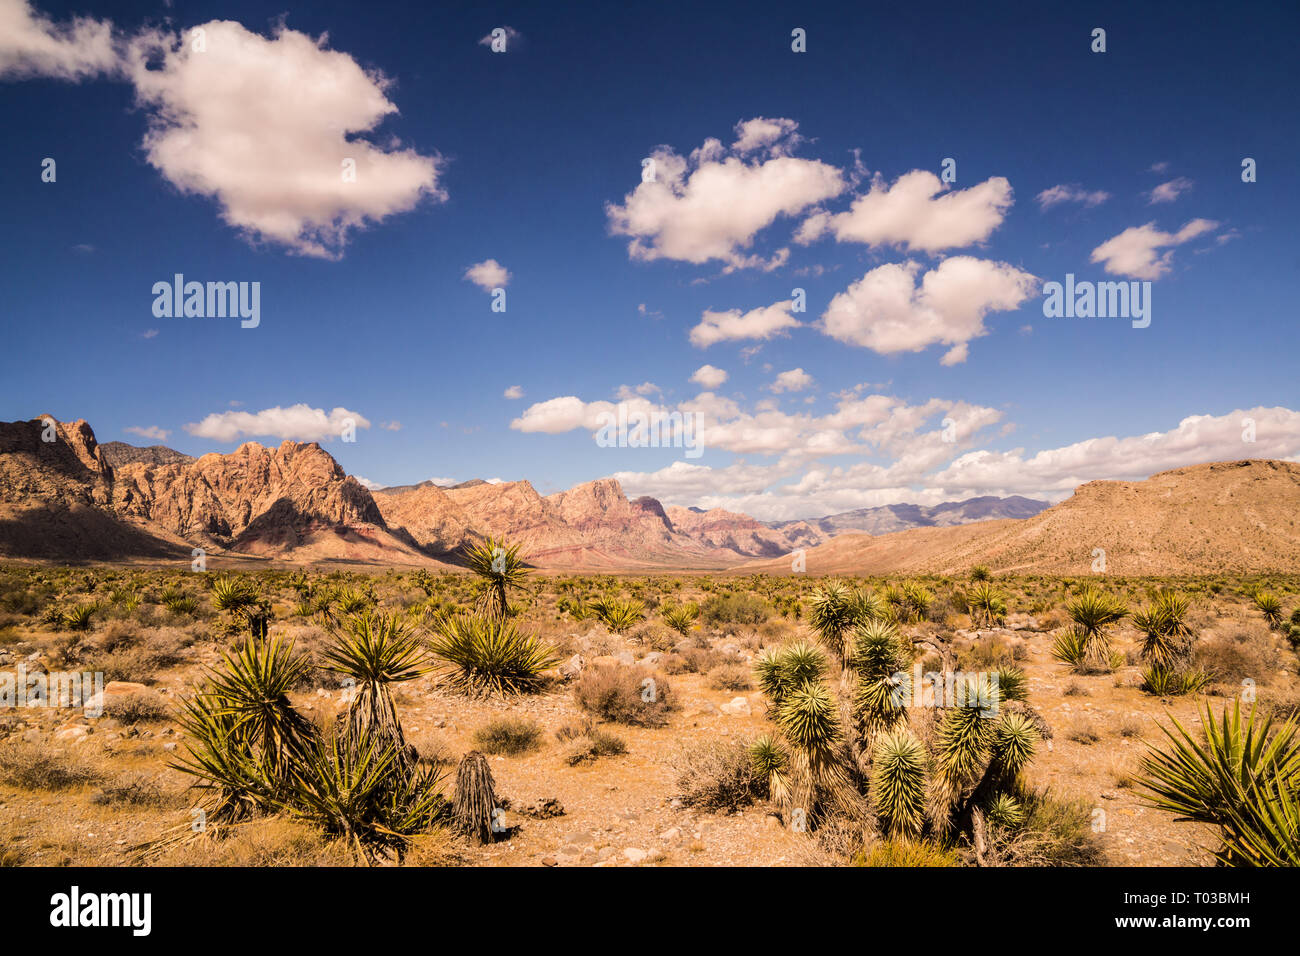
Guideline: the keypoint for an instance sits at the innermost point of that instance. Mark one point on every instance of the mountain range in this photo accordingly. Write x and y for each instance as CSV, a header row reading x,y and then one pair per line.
x,y
64,497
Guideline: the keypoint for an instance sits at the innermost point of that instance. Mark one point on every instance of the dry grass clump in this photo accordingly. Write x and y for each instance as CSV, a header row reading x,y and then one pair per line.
x,y
904,852
262,842
691,660
717,776
39,767
1083,733
140,707
732,677
587,742
625,695
508,735
1245,655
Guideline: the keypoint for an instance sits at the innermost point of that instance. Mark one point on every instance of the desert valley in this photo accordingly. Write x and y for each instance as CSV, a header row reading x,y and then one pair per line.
x,y
624,683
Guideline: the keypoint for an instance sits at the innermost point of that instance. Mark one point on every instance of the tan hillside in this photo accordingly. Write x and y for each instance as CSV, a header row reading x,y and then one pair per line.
x,y
739,532
1236,516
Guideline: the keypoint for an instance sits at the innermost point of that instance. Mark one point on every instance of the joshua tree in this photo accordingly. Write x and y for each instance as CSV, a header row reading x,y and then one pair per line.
x,y
375,651
500,569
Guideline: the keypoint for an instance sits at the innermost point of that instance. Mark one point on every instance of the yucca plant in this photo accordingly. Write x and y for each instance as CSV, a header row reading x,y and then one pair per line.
x,y
1243,780
80,617
898,783
230,594
377,650
981,572
832,611
1071,647
1166,638
500,570
356,788
771,765
781,670
916,603
1270,607
352,600
618,615
985,605
1005,812
489,656
809,720
1092,612
882,658
680,617
181,605
252,685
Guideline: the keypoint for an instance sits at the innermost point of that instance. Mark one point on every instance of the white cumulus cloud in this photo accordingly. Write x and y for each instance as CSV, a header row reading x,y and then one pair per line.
x,y
711,204
33,45
917,212
709,377
734,325
1134,252
298,422
488,275
795,380
887,311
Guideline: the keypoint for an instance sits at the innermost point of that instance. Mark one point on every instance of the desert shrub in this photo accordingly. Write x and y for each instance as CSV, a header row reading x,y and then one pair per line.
x,y
508,735
717,776
1230,659
38,767
904,852
986,653
140,707
1054,833
1165,682
586,742
744,610
1083,734
624,695
691,660
729,677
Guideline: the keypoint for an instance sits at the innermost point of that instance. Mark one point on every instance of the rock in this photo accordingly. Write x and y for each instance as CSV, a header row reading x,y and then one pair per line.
x,y
634,855
652,659
550,861
170,746
572,667
71,734
671,835
739,707
625,658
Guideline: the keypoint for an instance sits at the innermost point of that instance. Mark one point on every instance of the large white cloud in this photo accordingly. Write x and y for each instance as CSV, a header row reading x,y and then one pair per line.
x,y
887,311
33,45
268,128
1133,252
734,325
711,204
923,471
299,422
709,376
917,212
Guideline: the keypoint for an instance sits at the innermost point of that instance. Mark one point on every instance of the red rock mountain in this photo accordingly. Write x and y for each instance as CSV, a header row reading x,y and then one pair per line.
x,y
1222,517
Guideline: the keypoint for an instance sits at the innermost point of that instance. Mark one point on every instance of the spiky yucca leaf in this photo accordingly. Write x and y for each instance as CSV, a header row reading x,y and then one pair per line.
x,y
490,656
1092,612
1012,684
783,669
831,613
233,594
878,650
618,615
1014,741
1243,779
680,617
880,704
1165,635
898,783
1071,647
1005,811
961,746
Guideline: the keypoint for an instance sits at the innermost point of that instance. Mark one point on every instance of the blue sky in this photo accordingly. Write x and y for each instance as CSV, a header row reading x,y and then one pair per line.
x,y
532,157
